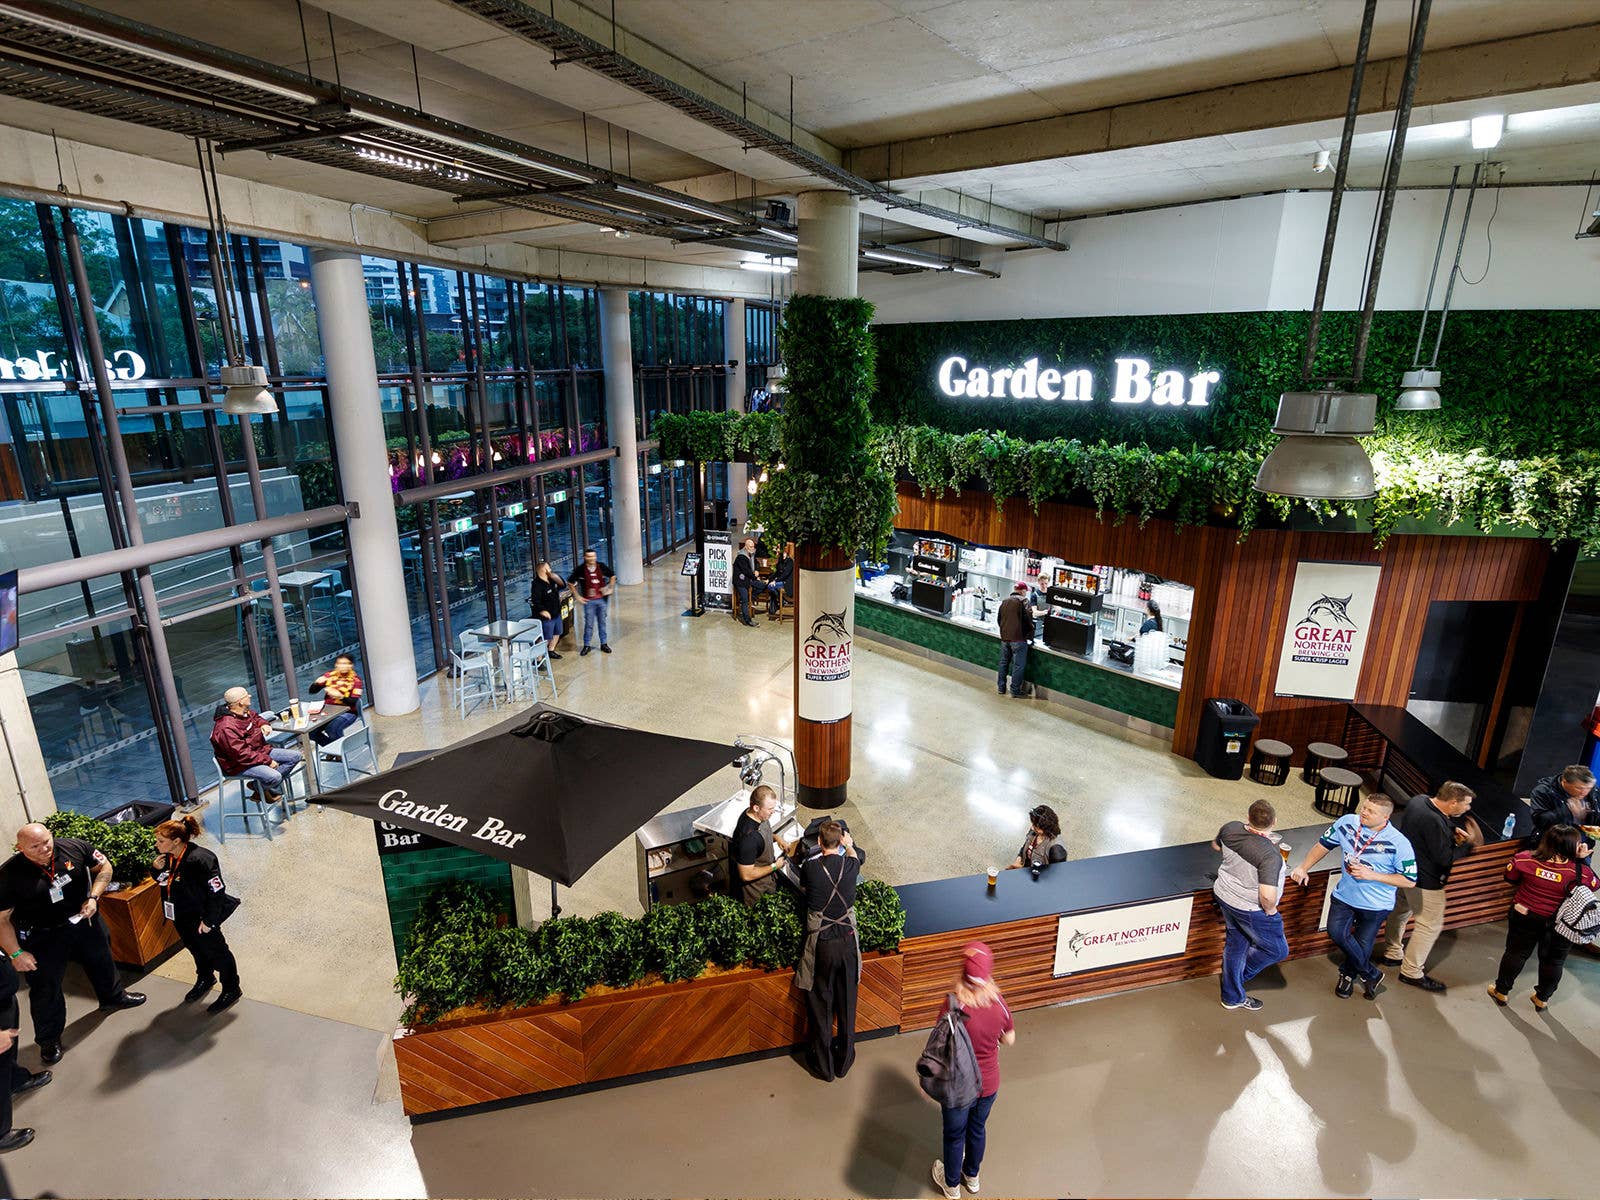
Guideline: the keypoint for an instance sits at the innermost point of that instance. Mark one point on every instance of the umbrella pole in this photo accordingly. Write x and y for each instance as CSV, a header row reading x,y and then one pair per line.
x,y
555,909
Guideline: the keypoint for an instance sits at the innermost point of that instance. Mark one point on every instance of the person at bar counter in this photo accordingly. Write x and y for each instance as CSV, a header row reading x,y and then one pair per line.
x,y
1377,860
544,600
239,741
752,860
830,964
1248,887
50,915
1152,618
745,579
781,583
1043,845
1567,798
591,588
1016,631
1544,877
341,689
196,901
1440,831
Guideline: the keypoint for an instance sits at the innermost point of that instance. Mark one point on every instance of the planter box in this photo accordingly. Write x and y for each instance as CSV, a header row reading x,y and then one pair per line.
x,y
635,1031
139,933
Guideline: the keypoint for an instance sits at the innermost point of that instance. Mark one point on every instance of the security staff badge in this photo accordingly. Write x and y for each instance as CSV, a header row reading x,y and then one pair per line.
x,y
58,885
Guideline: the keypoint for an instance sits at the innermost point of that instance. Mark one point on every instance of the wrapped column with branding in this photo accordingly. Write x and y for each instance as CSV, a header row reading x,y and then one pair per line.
x,y
824,633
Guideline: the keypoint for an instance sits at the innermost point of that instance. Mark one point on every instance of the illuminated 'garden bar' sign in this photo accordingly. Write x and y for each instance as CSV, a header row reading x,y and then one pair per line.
x,y
1132,384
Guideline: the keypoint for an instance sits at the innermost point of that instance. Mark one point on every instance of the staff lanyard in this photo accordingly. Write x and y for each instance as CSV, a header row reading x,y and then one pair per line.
x,y
172,874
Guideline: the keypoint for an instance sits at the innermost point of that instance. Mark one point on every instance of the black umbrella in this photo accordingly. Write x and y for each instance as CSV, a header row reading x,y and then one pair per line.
x,y
546,790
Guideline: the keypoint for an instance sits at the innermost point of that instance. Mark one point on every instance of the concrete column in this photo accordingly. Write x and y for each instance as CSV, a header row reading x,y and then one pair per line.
x,y
616,342
25,793
356,415
733,350
830,229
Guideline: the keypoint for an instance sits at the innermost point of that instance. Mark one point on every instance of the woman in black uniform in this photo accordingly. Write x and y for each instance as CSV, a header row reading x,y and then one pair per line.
x,y
195,900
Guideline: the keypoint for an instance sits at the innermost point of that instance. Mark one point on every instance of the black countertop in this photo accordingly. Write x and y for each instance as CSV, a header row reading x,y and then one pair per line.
x,y
1080,885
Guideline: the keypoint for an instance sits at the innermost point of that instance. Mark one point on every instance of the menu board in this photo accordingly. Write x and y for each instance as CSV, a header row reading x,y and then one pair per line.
x,y
1079,579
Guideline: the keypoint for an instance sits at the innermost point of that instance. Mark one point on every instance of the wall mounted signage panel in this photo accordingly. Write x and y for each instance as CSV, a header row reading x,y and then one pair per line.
x,y
1134,382
1117,936
1328,628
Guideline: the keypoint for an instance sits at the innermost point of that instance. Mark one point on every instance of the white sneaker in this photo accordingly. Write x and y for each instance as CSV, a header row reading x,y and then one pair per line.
x,y
949,1193
970,1182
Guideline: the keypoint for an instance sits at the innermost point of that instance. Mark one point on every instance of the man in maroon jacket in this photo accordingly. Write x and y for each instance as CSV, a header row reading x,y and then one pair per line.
x,y
239,741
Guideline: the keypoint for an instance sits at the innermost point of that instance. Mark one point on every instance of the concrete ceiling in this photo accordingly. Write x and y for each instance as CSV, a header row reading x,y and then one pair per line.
x,y
1043,108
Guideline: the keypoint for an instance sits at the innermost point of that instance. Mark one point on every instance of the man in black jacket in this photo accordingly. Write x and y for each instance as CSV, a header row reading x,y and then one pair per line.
x,y
745,579
1439,833
1016,631
1569,798
14,1080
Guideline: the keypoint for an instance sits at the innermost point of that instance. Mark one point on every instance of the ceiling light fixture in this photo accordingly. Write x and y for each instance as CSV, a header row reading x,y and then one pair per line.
x,y
1486,130
890,256
1420,391
406,162
769,268
1317,456
1420,385
674,200
1319,161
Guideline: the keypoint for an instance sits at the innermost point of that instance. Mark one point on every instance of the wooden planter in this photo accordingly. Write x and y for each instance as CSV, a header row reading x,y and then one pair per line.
x,y
631,1032
139,933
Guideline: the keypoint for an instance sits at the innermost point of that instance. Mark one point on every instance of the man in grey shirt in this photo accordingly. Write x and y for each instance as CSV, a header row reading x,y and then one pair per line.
x,y
1249,885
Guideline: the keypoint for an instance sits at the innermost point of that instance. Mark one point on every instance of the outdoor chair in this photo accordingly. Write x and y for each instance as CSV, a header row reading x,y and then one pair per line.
x,y
250,792
346,751
529,654
473,677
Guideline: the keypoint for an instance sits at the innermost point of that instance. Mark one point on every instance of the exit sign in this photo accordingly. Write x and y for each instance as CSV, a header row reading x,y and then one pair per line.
x,y
514,510
557,497
463,525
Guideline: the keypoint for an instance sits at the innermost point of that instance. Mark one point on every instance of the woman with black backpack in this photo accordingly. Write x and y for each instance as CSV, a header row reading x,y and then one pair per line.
x,y
196,901
987,1020
1545,876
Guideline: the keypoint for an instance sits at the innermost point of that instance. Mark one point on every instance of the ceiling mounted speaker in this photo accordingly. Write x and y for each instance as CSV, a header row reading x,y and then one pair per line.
x,y
1419,391
1318,457
247,394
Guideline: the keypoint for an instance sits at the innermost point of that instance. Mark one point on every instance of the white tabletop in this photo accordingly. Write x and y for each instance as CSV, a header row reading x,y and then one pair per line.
x,y
302,578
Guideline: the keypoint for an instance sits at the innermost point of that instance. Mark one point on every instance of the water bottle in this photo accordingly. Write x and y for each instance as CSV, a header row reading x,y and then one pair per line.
x,y
1510,826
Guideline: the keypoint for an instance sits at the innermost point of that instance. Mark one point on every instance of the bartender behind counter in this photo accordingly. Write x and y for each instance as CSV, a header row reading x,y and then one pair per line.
x,y
752,862
830,966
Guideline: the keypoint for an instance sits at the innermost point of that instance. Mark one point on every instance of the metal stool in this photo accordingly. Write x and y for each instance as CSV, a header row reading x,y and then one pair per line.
x,y
1319,755
1269,762
1338,792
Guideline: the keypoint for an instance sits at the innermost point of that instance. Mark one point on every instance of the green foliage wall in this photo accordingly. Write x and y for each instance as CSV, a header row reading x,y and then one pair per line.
x,y
1518,384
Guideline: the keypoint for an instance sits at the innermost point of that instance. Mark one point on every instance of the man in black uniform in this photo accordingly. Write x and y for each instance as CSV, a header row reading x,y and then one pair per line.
x,y
830,965
49,900
753,865
14,1080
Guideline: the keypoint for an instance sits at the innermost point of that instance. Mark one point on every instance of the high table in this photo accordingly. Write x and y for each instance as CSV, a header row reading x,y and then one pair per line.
x,y
302,730
301,583
502,634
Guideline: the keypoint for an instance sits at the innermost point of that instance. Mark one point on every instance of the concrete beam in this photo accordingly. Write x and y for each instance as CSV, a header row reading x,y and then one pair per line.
x,y
165,191
1534,63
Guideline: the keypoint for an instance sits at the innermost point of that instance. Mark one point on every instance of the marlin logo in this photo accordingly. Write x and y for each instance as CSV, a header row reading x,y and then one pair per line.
x,y
828,630
1075,942
1336,609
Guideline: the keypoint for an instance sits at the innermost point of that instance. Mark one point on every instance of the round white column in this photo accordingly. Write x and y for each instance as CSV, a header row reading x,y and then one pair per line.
x,y
356,415
616,348
830,228
733,350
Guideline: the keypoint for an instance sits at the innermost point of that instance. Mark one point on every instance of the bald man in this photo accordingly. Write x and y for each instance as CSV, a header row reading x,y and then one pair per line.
x,y
239,741
49,915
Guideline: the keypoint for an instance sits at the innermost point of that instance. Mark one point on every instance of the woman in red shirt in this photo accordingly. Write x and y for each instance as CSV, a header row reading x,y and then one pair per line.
x,y
988,1022
1544,877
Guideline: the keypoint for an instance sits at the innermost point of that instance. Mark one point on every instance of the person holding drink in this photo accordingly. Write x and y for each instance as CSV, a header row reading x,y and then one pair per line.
x,y
1378,859
1248,888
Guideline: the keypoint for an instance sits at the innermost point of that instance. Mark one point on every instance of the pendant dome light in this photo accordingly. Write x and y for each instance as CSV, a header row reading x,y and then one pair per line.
x,y
246,392
1317,456
1420,385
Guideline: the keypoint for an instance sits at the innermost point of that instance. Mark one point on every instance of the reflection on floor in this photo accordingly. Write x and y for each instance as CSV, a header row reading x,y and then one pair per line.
x,y
1159,1092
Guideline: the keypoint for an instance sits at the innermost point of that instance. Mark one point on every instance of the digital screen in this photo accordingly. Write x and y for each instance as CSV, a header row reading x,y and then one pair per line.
x,y
8,612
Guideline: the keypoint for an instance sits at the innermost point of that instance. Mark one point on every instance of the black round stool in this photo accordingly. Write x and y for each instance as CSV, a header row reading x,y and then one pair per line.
x,y
1269,762
1338,792
1319,755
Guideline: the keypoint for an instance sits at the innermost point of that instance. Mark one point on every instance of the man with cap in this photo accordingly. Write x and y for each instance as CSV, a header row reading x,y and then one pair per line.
x,y
830,965
49,903
1016,631
239,741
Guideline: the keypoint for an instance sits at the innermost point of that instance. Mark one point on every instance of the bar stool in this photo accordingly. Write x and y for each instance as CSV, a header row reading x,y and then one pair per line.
x,y
1269,762
1319,755
1338,792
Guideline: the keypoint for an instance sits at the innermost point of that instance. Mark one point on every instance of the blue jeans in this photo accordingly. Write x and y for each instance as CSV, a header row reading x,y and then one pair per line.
x,y
283,761
1254,941
1354,930
965,1131
334,729
594,613
1013,662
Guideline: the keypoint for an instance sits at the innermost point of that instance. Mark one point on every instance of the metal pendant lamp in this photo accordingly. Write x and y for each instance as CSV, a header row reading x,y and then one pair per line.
x,y
1317,456
1419,387
246,393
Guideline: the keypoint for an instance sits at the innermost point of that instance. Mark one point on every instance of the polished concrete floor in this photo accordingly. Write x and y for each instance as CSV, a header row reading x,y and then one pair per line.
x,y
294,1093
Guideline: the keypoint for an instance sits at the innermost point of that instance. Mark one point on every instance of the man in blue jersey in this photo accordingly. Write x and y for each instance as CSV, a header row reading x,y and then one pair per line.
x,y
1377,860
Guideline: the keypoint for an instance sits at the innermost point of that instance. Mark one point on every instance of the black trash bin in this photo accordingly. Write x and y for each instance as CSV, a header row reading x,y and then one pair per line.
x,y
1224,740
145,812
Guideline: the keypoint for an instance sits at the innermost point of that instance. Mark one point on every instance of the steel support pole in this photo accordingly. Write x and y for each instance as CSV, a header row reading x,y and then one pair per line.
x,y
123,481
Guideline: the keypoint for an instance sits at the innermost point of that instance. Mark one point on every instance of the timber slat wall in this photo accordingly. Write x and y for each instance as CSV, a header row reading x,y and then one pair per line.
x,y
1242,594
633,1032
1024,951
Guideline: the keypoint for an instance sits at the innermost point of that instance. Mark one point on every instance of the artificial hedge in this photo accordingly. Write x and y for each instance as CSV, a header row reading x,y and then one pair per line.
x,y
129,846
459,950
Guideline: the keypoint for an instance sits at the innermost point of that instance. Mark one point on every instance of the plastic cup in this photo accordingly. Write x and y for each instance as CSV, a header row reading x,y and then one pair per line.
x,y
994,876
294,711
